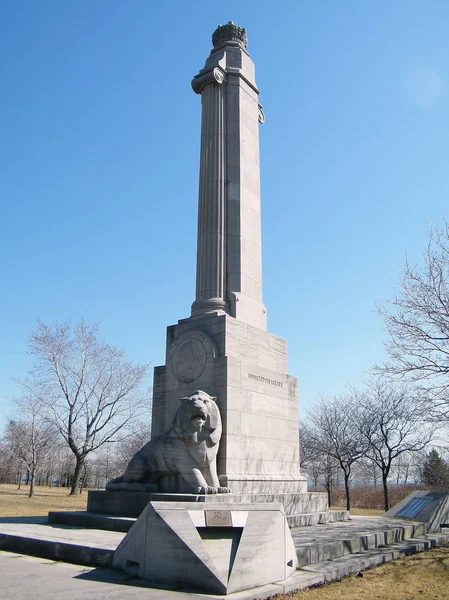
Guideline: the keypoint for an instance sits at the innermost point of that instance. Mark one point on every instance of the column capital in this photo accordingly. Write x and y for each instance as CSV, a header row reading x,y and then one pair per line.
x,y
229,34
216,75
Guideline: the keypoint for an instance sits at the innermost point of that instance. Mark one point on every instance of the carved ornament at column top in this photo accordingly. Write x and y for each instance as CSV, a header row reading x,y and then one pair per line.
x,y
216,75
229,34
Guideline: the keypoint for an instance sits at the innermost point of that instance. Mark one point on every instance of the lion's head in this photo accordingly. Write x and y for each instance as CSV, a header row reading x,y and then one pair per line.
x,y
198,412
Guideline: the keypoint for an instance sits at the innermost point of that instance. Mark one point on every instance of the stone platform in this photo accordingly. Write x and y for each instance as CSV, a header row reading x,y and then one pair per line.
x,y
301,509
325,552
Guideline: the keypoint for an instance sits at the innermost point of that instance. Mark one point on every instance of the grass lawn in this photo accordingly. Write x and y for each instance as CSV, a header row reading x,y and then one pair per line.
x,y
362,512
15,503
423,576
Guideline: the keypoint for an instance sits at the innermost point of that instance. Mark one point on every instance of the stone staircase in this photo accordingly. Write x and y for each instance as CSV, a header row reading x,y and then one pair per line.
x,y
325,551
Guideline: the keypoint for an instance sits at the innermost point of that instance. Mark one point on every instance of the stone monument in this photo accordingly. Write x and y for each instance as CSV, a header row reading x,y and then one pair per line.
x,y
217,487
224,347
241,433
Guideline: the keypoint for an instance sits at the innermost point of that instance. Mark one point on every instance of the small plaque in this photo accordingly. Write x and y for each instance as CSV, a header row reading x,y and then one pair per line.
x,y
218,518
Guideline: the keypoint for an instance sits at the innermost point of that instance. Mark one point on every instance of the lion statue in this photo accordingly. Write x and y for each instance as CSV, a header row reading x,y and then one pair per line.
x,y
187,450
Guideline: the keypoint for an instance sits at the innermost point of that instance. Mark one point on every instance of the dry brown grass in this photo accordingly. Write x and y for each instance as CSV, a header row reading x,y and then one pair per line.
x,y
366,512
15,503
363,496
423,576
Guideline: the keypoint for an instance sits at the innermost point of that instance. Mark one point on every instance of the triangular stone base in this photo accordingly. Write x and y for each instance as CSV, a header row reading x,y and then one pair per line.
x,y
215,548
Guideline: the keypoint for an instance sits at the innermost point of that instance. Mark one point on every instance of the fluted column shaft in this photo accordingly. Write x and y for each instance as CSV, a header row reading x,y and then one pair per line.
x,y
211,255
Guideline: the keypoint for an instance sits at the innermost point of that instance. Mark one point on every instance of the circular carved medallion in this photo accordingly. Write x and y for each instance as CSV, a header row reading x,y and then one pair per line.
x,y
189,360
218,76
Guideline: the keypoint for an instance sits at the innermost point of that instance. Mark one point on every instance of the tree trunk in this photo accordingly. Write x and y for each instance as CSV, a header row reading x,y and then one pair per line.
x,y
80,460
83,479
32,479
348,497
386,496
328,486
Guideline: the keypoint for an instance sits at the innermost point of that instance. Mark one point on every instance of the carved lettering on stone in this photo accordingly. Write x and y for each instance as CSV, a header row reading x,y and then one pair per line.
x,y
218,518
265,380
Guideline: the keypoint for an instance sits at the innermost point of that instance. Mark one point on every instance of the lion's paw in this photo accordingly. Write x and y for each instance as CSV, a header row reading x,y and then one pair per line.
x,y
223,490
207,490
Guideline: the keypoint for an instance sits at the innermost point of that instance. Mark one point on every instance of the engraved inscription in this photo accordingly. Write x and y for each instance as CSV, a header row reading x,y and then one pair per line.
x,y
218,518
265,380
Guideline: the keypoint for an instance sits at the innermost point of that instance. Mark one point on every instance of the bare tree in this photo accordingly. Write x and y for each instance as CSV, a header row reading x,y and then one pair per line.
x,y
30,433
334,431
10,465
391,426
127,447
94,392
316,463
417,322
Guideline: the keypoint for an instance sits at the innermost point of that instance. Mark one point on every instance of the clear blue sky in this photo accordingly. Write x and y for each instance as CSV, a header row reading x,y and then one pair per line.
x,y
99,151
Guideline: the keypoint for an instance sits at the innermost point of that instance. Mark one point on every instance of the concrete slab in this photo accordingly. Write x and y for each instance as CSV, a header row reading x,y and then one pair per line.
x,y
25,576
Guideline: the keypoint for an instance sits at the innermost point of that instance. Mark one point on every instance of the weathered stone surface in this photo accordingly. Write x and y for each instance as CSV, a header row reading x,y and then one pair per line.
x,y
185,455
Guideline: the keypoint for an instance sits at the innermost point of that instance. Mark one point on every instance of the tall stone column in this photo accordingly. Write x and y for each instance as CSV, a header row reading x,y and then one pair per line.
x,y
229,254
211,254
224,348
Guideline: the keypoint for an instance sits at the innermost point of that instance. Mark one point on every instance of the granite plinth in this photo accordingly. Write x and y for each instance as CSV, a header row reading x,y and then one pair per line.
x,y
131,504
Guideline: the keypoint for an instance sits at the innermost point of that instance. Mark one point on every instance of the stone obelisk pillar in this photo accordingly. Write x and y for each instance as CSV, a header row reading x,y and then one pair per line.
x,y
223,348
229,255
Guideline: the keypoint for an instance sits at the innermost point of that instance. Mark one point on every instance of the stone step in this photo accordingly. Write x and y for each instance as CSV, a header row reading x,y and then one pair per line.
x,y
331,541
116,523
315,542
317,518
331,570
68,544
326,552
91,520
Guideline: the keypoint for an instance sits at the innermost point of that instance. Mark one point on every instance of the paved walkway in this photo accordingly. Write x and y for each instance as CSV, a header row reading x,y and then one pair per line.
x,y
24,577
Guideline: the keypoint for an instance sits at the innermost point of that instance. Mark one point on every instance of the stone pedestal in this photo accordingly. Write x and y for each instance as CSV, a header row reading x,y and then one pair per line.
x,y
246,369
211,548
